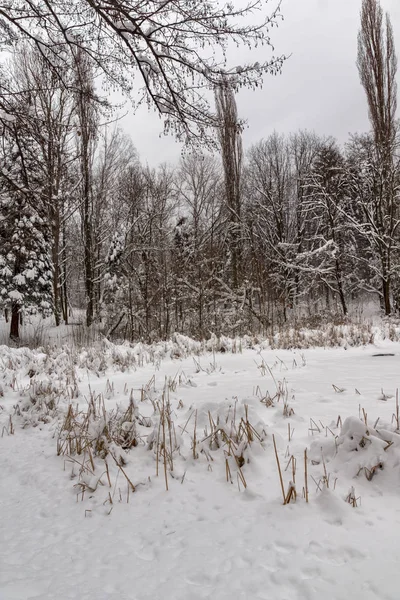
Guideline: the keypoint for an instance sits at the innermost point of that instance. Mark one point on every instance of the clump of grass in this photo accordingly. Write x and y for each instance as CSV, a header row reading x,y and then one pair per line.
x,y
164,441
234,435
352,499
232,430
91,438
212,366
281,389
9,428
98,429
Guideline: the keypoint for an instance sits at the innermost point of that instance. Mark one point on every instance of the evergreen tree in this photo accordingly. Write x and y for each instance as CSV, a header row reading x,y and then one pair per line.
x,y
25,252
25,265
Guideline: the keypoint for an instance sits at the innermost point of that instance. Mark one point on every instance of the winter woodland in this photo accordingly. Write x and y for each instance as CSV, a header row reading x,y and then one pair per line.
x,y
212,414
226,241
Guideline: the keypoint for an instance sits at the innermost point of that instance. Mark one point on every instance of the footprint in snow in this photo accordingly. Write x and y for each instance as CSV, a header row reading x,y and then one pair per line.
x,y
284,547
146,554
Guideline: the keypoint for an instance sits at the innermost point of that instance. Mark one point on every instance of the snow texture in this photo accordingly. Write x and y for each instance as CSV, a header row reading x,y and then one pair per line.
x,y
204,537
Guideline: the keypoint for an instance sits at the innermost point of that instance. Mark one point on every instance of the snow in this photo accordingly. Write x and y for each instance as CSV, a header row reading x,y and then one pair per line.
x,y
15,295
19,279
204,537
6,116
30,273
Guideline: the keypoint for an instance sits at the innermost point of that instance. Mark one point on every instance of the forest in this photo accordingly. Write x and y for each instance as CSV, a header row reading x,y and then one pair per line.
x,y
230,242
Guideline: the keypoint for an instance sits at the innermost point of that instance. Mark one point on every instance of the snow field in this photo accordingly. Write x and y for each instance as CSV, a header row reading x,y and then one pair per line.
x,y
62,536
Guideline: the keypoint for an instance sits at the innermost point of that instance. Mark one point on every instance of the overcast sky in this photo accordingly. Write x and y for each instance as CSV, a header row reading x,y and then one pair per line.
x,y
318,90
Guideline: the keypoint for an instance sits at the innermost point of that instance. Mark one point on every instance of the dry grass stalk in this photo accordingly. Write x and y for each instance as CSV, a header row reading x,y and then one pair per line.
x,y
263,367
107,473
351,498
306,474
396,415
314,427
369,473
239,462
291,493
123,472
337,389
279,469
158,448
325,478
195,453
282,364
257,392
267,400
330,431
228,471
10,429
183,429
293,463
287,410
164,445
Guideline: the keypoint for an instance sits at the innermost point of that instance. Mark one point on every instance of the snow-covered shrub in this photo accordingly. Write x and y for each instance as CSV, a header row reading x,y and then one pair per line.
x,y
358,449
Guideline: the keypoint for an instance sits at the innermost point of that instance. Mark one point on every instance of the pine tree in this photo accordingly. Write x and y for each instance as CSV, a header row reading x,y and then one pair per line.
x,y
25,266
25,252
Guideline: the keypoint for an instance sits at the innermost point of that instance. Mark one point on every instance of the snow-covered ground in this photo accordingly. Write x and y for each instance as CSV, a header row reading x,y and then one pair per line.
x,y
70,530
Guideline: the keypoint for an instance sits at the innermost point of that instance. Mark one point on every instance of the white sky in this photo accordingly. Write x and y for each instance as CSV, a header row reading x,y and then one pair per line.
x,y
318,90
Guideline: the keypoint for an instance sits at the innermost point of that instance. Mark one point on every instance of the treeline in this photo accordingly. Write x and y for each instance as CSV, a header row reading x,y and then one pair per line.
x,y
230,243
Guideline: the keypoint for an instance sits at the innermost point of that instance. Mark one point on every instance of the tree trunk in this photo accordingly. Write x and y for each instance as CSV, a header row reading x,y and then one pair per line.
x,y
86,110
230,139
340,287
386,296
64,286
87,230
88,274
56,275
14,328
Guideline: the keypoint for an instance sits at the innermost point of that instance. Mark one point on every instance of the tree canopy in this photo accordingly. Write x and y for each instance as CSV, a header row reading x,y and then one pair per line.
x,y
176,48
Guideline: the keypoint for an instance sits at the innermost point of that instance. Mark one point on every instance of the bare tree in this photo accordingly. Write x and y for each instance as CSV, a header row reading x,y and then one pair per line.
x,y
196,256
230,138
377,65
115,156
86,106
50,123
327,203
269,199
166,43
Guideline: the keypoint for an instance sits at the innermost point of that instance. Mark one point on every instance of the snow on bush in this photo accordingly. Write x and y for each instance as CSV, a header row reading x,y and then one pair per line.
x,y
360,449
